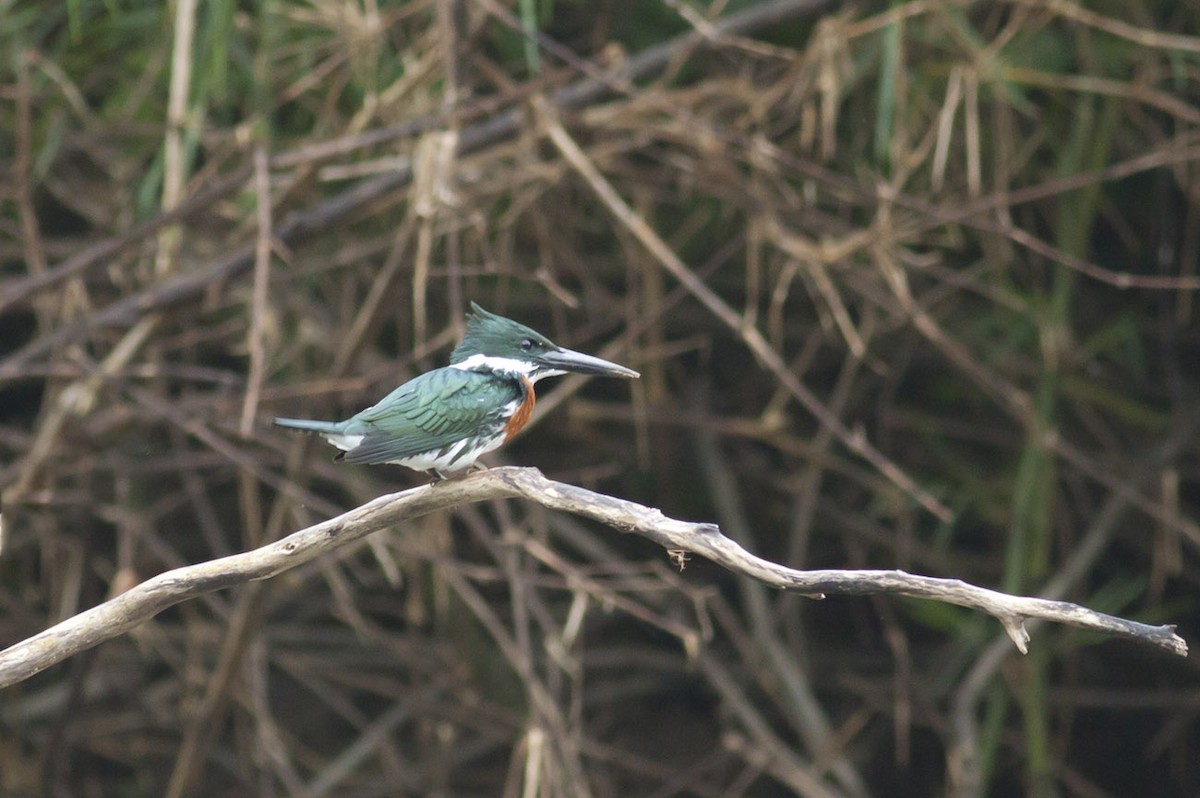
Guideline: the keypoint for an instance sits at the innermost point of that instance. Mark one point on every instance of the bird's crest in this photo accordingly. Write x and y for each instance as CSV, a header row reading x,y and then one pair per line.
x,y
495,336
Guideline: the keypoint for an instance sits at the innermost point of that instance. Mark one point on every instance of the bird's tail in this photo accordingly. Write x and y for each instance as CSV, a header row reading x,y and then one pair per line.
x,y
319,427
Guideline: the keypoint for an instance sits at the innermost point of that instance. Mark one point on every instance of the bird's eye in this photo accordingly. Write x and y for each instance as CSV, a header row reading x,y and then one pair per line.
x,y
526,344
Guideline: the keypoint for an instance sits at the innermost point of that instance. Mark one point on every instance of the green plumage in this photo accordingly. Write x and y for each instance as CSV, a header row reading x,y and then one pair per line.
x,y
443,421
431,413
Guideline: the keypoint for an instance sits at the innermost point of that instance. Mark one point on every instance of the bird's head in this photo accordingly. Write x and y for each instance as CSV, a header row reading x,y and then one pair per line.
x,y
494,343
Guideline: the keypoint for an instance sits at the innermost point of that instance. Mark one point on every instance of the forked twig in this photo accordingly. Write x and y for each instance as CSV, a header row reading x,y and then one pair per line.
x,y
128,610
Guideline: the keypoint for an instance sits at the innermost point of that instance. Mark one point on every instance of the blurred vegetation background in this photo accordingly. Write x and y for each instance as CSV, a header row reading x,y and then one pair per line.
x,y
911,284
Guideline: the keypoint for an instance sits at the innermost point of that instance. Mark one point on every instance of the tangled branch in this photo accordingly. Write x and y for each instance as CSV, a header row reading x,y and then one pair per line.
x,y
128,610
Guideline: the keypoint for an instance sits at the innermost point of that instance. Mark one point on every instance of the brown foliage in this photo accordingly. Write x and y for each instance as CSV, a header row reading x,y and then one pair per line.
x,y
910,287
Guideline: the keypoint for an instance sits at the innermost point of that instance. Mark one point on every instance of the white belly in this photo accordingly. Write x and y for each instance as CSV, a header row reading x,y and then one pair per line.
x,y
454,459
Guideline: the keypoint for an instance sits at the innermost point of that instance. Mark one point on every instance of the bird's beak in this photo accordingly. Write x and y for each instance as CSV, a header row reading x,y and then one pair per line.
x,y
578,363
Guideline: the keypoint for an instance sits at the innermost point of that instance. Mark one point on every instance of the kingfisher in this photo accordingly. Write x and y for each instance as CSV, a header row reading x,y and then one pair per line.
x,y
444,420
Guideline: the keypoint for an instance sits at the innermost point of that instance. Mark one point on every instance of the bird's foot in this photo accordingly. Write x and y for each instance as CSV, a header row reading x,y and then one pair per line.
x,y
438,476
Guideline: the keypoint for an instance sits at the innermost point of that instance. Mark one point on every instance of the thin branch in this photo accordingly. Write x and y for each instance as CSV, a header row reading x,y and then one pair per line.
x,y
260,310
128,610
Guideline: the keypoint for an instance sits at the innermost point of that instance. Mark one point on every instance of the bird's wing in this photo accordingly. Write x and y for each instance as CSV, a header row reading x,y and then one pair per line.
x,y
431,412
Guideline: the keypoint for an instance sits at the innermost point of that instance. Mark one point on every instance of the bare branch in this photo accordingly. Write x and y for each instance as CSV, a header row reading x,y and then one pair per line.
x,y
120,614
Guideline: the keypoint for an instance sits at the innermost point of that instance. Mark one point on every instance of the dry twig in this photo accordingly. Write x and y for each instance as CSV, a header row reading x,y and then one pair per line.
x,y
141,603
